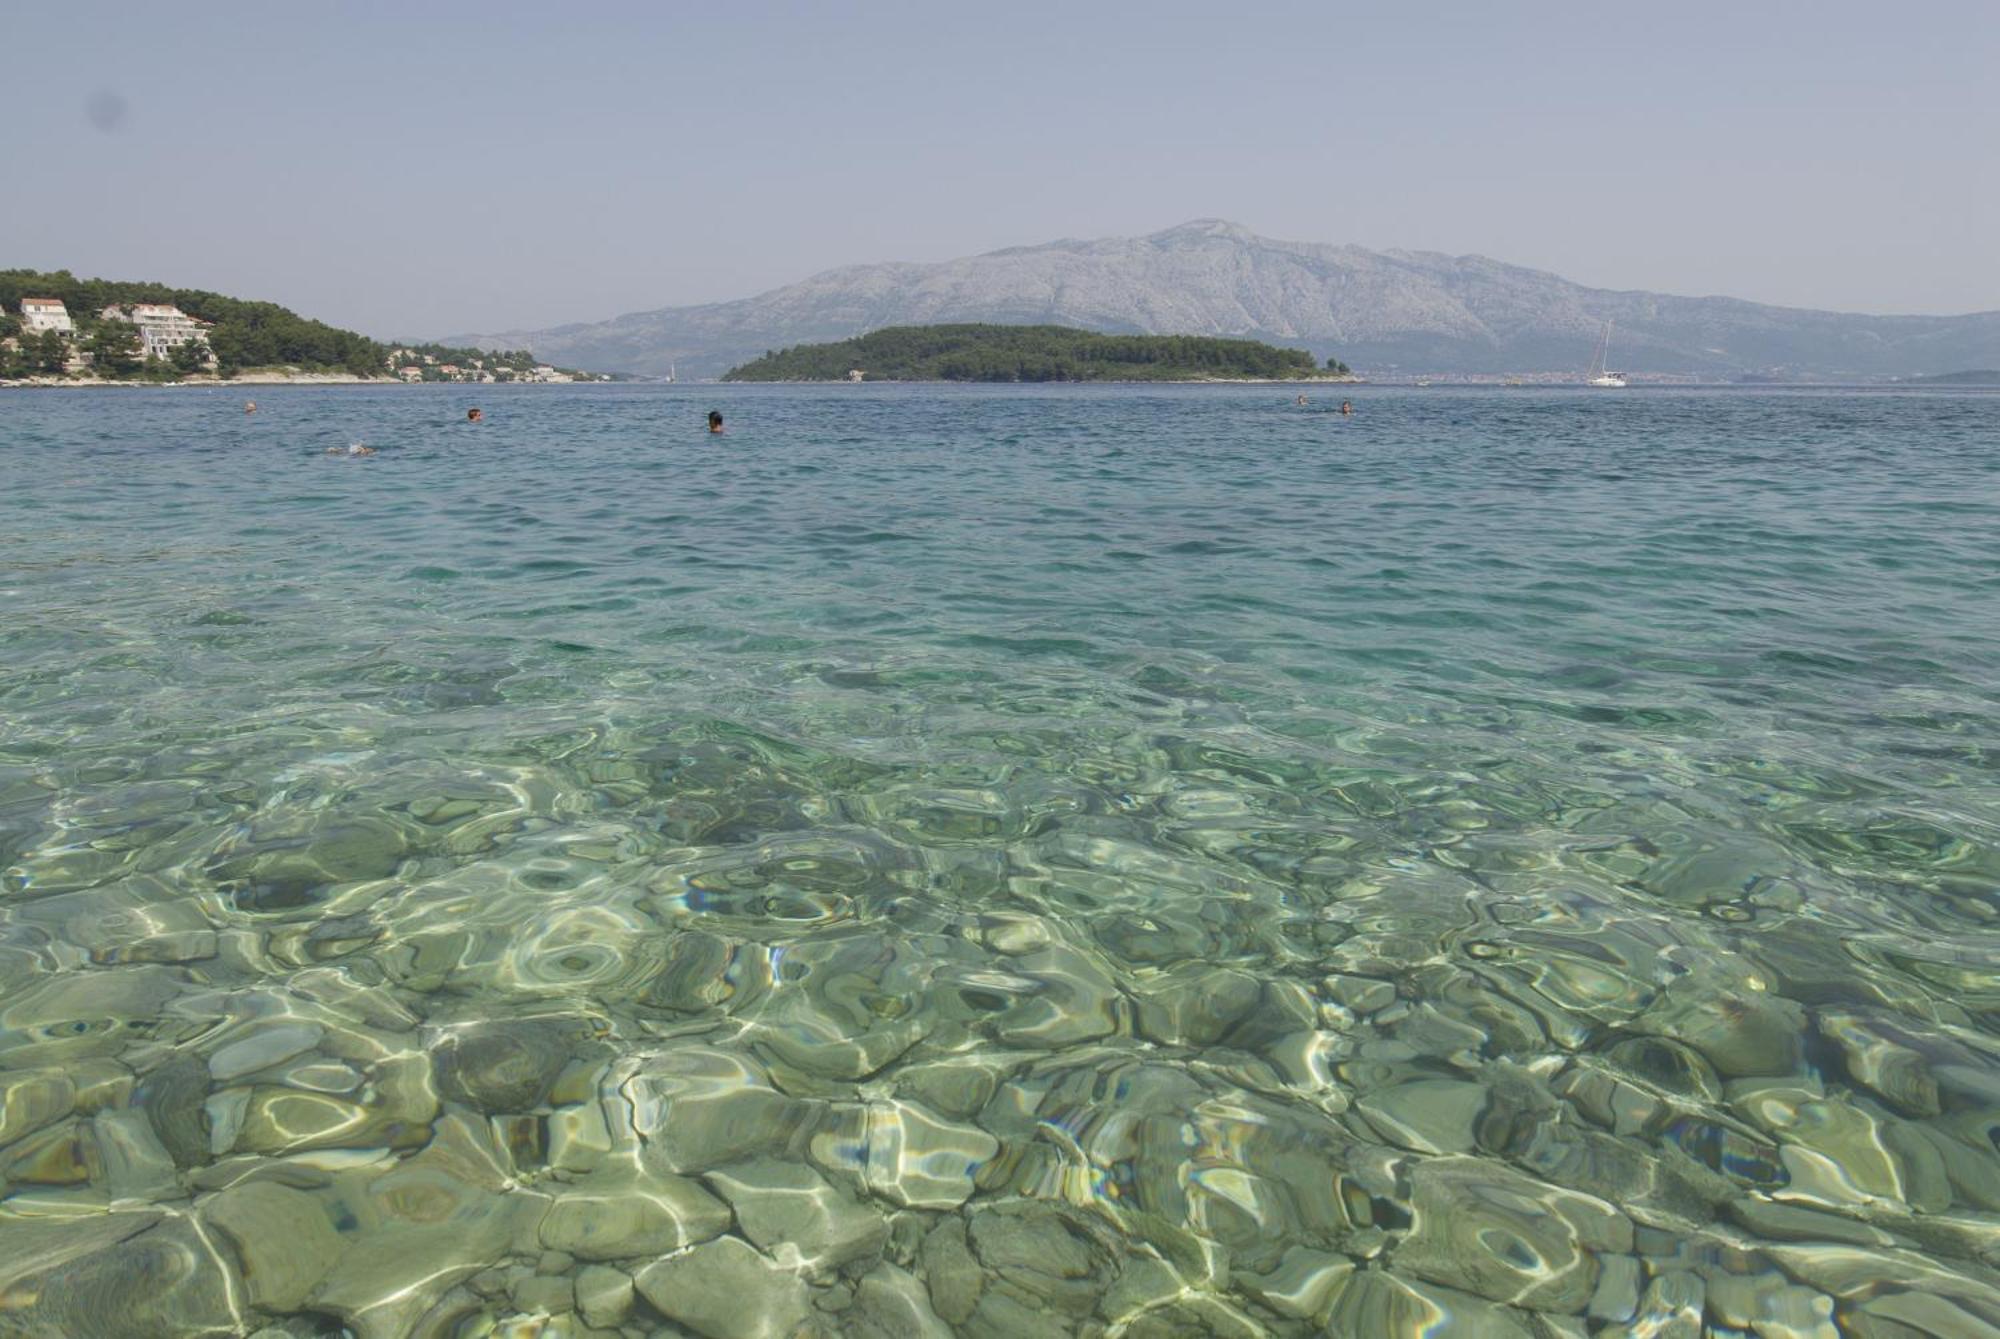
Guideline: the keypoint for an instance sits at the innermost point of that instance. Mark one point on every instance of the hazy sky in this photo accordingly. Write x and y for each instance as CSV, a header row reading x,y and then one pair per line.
x,y
422,168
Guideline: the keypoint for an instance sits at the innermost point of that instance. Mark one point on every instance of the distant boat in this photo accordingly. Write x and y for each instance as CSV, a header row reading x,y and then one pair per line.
x,y
1597,376
670,373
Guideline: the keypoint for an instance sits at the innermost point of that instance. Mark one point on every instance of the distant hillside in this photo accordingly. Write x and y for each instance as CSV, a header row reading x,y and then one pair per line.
x,y
1984,378
242,334
1027,353
1379,310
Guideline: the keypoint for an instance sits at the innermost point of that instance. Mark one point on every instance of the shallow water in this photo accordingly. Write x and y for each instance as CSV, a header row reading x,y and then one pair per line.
x,y
999,862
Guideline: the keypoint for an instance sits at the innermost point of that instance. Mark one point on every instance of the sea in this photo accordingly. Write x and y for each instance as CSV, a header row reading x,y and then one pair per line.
x,y
999,861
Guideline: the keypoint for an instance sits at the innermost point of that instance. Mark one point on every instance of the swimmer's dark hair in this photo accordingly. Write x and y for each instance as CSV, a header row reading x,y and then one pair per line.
x,y
714,416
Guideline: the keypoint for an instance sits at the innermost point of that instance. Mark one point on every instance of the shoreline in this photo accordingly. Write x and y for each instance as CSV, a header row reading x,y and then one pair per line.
x,y
1094,381
265,379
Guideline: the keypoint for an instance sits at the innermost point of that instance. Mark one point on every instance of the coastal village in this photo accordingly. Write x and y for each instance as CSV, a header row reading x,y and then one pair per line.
x,y
44,342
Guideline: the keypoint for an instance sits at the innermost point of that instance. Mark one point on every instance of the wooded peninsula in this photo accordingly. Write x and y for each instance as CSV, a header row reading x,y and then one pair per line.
x,y
1033,353
95,329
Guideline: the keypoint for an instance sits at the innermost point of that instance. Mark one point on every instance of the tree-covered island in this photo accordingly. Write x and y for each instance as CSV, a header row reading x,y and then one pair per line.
x,y
1033,353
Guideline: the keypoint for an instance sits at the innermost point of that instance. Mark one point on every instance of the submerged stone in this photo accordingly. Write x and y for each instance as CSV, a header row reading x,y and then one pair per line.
x,y
1491,1231
1427,1115
163,1280
604,1296
262,1049
613,1217
890,1303
725,1289
919,1160
502,1066
697,1108
791,1214
285,1240
1383,1306
31,1099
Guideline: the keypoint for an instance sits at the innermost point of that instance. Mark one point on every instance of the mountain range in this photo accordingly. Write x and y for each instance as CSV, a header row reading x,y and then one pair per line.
x,y
1382,312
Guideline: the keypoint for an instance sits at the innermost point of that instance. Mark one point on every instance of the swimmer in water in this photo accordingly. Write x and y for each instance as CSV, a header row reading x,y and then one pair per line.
x,y
353,449
1301,400
1347,406
249,406
473,415
715,420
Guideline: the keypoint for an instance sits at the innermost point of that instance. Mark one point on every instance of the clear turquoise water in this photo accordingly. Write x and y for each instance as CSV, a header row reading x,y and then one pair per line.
x,y
946,860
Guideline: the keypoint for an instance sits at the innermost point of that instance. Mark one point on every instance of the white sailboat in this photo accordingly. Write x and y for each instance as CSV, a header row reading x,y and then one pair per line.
x,y
1597,376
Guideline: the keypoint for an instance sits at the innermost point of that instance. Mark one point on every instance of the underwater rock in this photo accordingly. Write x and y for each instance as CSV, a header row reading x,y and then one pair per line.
x,y
604,1296
136,1165
1489,1230
1195,1005
1832,1151
262,1049
1904,1315
502,1066
1068,999
543,1295
697,1108
827,1048
430,1222
76,1015
1671,1308
1667,1065
56,1155
1427,1115
616,1217
162,1281
282,864
1743,1031
1385,1307
30,1099
700,973
1303,1284
579,1138
889,1303
724,1289
1193,1316
1791,1222
1041,1261
1360,994
284,1240
796,1218
958,1087
919,1160
951,1274
1882,1058
1617,1294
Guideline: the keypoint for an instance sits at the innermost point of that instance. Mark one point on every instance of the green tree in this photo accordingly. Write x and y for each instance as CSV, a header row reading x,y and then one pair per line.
x,y
188,356
115,346
44,353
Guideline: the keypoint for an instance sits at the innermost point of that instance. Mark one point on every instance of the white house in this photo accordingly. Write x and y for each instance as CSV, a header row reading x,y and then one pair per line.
x,y
39,314
162,328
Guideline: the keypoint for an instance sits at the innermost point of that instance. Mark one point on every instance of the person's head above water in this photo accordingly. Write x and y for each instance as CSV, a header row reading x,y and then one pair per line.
x,y
473,415
715,420
249,406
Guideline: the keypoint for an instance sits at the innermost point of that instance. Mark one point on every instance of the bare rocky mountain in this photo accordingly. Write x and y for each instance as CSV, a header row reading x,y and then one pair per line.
x,y
1380,311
